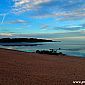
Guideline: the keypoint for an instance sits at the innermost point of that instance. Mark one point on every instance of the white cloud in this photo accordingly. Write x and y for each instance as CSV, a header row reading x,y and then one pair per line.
x,y
21,2
22,6
60,9
6,34
18,21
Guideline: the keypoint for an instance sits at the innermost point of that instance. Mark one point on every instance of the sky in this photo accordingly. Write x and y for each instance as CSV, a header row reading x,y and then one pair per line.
x,y
51,19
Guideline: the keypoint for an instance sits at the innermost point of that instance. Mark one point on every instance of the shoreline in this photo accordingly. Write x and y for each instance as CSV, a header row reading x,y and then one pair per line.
x,y
42,54
24,68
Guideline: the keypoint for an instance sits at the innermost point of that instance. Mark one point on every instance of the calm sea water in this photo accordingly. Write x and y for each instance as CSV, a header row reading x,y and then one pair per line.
x,y
68,48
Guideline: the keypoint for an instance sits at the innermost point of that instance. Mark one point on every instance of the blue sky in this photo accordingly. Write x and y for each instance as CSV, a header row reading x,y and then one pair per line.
x,y
53,19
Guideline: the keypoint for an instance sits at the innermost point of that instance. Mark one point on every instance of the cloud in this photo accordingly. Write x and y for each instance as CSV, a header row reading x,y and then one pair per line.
x,y
44,26
64,9
19,21
68,28
77,35
61,9
76,27
75,15
6,34
64,28
71,39
21,6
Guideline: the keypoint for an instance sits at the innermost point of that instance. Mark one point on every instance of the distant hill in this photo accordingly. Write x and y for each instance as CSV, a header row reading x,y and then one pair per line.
x,y
24,40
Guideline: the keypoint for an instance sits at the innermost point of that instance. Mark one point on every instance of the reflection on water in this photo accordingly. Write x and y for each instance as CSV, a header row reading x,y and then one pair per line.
x,y
66,48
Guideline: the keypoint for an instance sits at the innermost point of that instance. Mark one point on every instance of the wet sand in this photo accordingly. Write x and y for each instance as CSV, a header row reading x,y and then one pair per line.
x,y
20,68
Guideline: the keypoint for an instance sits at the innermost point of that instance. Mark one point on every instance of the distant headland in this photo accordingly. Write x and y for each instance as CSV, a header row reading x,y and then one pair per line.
x,y
25,40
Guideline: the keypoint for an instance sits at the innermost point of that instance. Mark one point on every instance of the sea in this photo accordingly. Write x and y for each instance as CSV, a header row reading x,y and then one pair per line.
x,y
66,47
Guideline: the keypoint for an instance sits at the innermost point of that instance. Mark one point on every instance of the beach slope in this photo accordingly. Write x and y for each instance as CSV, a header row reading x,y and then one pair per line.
x,y
20,68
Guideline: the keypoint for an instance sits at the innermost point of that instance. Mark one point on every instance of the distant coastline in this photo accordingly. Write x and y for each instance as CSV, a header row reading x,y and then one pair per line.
x,y
12,40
